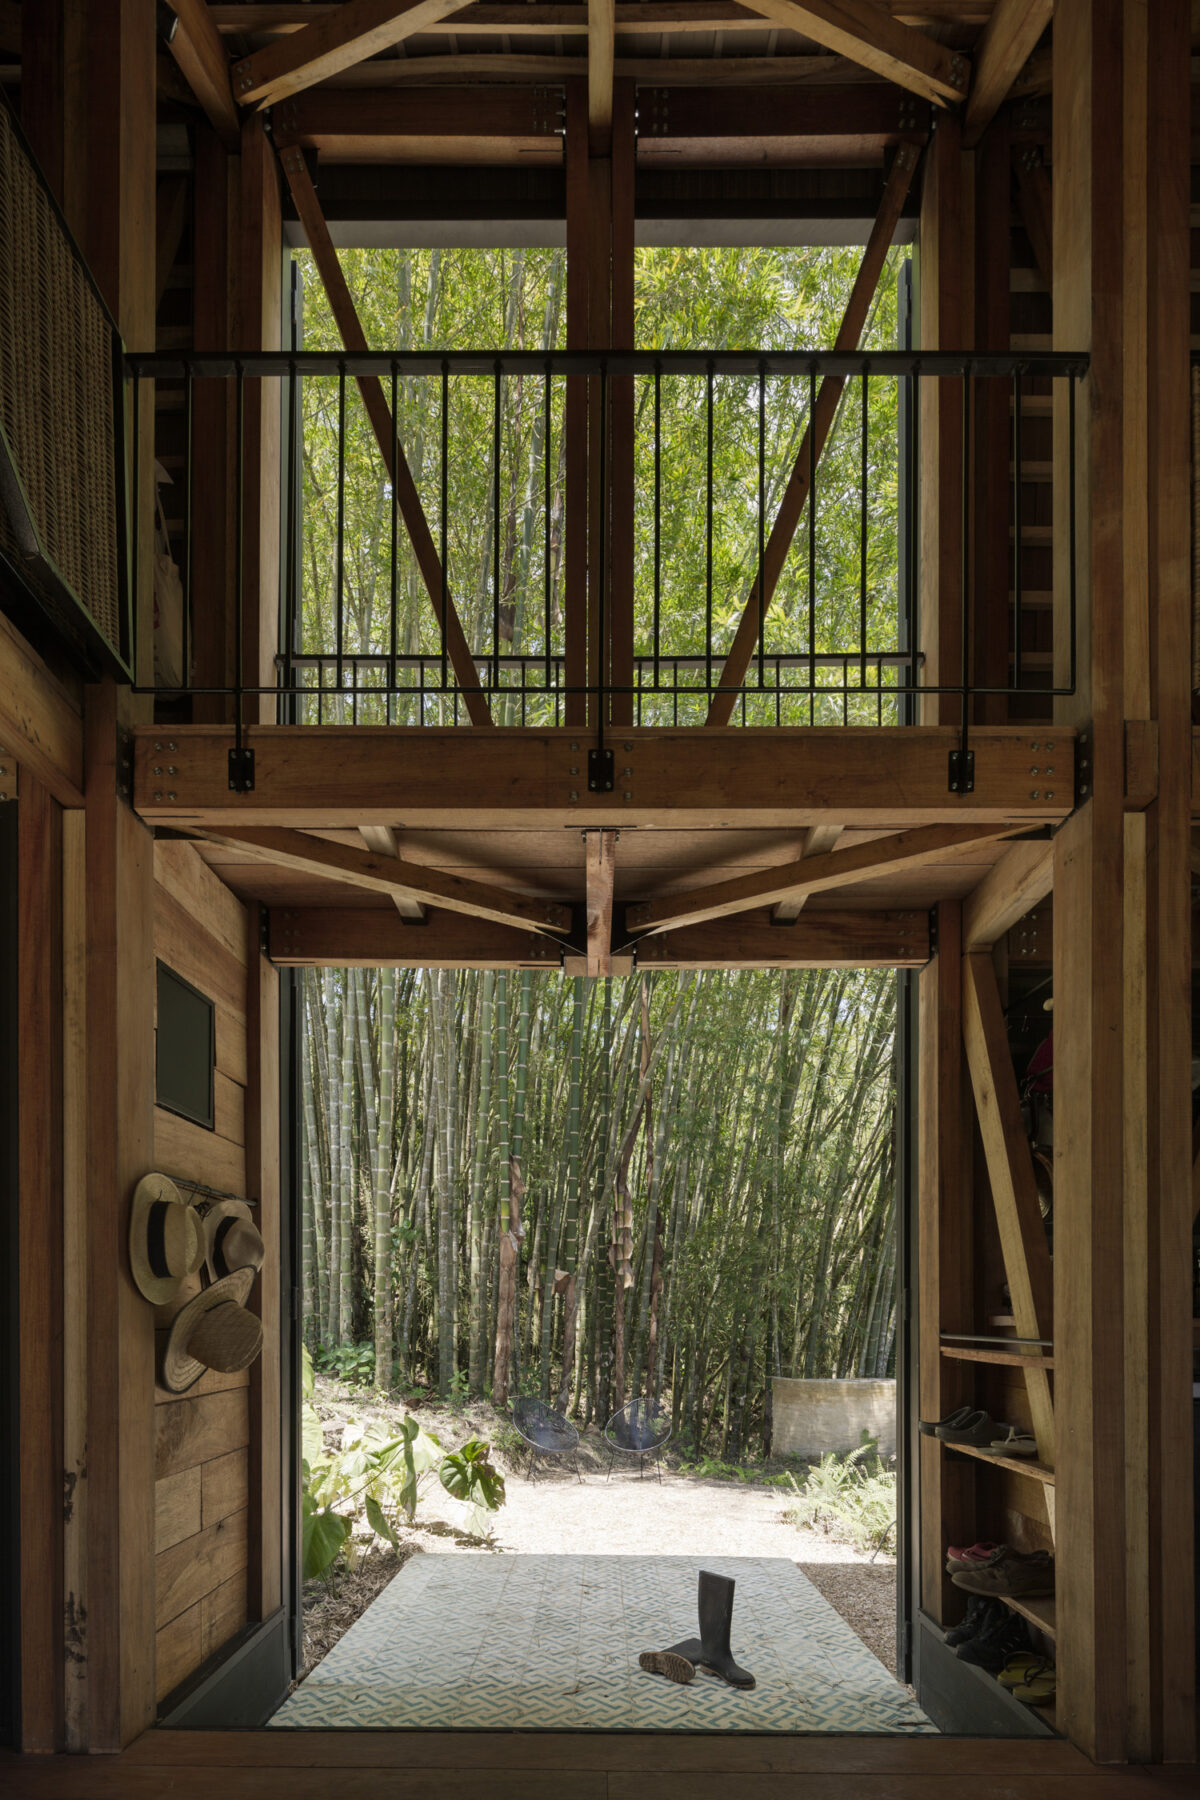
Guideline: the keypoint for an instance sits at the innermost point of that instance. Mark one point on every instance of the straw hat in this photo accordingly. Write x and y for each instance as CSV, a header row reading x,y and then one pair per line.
x,y
213,1331
166,1241
231,1239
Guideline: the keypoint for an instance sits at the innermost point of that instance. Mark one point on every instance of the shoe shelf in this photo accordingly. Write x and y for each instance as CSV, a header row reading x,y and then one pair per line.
x,y
1020,1359
1021,1465
1037,1608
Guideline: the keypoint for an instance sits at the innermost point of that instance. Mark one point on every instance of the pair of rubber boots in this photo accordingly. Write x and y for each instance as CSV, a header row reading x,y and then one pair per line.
x,y
711,1649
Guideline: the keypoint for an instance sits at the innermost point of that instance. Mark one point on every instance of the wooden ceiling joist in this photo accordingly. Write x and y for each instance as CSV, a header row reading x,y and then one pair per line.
x,y
390,875
1008,41
868,34
381,840
808,875
818,839
813,442
361,937
601,867
330,777
600,54
196,46
348,35
680,71
1023,876
404,488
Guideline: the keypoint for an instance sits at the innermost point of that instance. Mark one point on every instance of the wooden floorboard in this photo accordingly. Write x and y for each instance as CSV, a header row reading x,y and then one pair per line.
x,y
312,1765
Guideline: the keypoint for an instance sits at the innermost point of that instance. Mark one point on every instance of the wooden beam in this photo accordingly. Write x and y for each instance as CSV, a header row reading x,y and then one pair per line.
x,y
41,725
381,840
368,937
817,840
944,323
945,1255
1034,203
351,34
259,275
867,34
520,67
197,48
601,15
267,1484
1023,876
622,479
1023,1241
404,488
600,850
810,875
818,940
829,393
1009,39
336,776
170,214
575,412
388,874
634,17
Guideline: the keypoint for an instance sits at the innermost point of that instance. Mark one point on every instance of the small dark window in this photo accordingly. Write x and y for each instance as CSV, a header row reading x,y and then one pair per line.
x,y
185,1053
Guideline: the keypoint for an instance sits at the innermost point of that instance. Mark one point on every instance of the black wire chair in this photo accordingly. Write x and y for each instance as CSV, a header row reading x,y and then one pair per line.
x,y
546,1432
641,1429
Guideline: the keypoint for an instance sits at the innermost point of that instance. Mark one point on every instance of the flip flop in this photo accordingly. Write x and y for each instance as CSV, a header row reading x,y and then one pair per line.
x,y
1021,1668
1017,1443
1038,1689
666,1662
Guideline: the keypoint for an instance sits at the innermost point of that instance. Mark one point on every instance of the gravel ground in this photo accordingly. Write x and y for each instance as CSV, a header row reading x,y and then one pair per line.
x,y
684,1515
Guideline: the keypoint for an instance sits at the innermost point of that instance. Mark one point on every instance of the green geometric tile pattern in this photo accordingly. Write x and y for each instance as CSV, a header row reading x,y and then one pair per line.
x,y
480,1642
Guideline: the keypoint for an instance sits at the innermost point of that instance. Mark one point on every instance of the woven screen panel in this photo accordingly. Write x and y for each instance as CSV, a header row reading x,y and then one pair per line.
x,y
56,394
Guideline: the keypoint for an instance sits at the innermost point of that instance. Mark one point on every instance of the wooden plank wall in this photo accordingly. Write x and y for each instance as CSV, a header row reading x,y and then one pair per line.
x,y
202,1456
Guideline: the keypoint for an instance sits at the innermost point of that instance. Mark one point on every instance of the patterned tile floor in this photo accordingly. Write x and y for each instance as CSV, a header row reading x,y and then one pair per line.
x,y
480,1642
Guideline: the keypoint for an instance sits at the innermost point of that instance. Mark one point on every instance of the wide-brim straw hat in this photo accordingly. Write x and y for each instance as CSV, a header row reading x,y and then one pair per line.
x,y
231,1239
213,1331
166,1239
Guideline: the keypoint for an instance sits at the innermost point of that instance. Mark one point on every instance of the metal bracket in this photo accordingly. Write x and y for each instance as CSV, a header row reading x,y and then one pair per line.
x,y
600,771
241,770
933,931
962,771
1084,773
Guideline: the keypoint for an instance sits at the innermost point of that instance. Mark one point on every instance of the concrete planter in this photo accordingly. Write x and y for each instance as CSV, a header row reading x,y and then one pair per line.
x,y
813,1417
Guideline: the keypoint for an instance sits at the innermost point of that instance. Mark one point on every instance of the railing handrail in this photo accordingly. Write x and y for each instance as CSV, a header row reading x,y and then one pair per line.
x,y
177,365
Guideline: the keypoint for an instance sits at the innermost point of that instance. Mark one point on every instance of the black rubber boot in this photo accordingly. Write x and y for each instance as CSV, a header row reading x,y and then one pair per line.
x,y
981,1614
711,1649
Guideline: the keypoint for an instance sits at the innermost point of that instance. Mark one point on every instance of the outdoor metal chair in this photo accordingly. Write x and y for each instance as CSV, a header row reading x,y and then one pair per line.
x,y
640,1429
546,1432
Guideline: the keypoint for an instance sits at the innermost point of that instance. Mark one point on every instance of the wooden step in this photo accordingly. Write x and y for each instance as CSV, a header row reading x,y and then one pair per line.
x,y
1039,1609
1015,1358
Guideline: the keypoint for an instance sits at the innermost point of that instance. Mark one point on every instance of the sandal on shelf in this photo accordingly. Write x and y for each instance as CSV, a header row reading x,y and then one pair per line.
x,y
1016,1443
1038,1687
1021,1668
958,1417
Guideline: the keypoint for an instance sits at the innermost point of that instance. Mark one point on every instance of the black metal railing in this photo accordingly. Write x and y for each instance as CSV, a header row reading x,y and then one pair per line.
x,y
712,446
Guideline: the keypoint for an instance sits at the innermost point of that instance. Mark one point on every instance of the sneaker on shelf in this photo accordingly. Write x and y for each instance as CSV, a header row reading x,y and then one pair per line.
x,y
971,1556
931,1426
992,1648
978,1429
980,1616
1015,1576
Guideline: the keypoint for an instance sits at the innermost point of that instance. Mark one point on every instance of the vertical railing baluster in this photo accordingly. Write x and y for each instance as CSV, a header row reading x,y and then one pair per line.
x,y
862,536
395,603
965,579
341,521
549,597
762,525
657,643
914,539
812,541
1072,617
708,538
602,564
136,515
239,573
496,526
1016,516
444,474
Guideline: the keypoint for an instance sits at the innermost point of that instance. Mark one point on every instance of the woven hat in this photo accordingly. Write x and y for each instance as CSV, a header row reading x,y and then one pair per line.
x,y
213,1331
231,1239
166,1240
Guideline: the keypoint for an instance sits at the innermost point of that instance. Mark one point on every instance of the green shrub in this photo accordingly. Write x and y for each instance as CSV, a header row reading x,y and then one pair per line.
x,y
851,1497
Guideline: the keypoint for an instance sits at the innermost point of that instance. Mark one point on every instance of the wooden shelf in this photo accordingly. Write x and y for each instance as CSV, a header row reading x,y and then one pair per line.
x,y
1021,1359
1020,1465
1037,1608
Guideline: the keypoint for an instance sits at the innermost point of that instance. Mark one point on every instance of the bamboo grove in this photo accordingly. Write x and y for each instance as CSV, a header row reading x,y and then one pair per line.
x,y
674,1185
